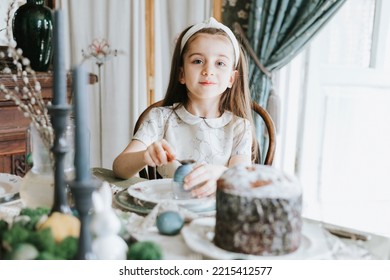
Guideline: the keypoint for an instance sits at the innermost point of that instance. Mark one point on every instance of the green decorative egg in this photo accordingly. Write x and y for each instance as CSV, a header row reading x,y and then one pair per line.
x,y
169,223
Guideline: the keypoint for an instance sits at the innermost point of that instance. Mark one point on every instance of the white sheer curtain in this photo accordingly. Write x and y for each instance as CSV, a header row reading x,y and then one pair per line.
x,y
123,79
171,17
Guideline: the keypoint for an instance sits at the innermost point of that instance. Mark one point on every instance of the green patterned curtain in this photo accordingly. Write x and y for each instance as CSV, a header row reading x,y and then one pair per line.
x,y
277,31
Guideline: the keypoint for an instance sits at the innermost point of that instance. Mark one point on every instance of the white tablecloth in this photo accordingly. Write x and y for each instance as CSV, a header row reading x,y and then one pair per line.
x,y
175,247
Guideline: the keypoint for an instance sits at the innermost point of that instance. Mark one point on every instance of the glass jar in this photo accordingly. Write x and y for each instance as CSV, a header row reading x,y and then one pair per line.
x,y
37,186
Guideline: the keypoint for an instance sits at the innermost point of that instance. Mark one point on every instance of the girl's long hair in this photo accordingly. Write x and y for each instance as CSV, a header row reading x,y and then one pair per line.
x,y
235,99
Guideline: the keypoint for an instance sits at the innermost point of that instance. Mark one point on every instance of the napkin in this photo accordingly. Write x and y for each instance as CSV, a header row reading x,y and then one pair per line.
x,y
137,224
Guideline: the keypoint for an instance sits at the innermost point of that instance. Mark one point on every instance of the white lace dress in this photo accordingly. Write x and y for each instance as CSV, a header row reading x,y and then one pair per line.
x,y
211,141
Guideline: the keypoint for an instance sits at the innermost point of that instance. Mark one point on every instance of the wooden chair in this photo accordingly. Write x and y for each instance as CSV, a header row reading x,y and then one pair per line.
x,y
269,124
150,173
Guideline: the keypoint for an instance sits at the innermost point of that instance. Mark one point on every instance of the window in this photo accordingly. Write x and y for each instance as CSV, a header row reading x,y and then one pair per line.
x,y
340,119
352,44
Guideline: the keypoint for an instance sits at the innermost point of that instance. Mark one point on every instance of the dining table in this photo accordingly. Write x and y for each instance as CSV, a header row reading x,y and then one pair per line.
x,y
320,240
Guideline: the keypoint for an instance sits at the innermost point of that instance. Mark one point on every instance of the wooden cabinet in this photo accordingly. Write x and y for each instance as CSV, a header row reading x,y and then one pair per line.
x,y
13,125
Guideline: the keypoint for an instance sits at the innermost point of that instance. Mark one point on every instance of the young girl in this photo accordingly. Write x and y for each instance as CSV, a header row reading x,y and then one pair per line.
x,y
206,113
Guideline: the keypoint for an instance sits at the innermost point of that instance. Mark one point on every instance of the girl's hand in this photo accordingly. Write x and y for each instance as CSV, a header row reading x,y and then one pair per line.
x,y
202,181
159,153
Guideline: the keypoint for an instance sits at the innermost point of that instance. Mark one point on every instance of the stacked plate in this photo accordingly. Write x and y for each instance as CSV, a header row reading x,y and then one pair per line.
x,y
9,187
143,196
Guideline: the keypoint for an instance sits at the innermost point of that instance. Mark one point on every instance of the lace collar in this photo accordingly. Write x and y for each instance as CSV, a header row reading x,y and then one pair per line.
x,y
191,119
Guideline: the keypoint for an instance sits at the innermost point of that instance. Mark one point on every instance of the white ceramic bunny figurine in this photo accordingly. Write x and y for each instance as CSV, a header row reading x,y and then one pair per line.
x,y
105,225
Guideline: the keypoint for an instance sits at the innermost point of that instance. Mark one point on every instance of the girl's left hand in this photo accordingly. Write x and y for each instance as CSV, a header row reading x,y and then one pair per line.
x,y
202,181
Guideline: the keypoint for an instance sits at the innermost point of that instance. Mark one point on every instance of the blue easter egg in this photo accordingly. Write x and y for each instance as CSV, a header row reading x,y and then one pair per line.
x,y
169,223
183,170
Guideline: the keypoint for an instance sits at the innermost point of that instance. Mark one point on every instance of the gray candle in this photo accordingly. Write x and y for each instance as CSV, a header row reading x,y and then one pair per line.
x,y
59,78
81,124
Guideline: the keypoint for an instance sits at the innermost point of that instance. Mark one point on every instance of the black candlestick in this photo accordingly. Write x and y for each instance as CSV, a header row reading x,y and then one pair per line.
x,y
59,116
82,193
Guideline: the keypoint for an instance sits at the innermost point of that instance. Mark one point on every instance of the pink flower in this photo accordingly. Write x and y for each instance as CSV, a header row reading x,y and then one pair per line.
x,y
99,50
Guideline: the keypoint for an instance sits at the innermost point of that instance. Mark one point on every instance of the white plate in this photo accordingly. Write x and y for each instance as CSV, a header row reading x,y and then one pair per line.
x,y
9,185
156,191
199,235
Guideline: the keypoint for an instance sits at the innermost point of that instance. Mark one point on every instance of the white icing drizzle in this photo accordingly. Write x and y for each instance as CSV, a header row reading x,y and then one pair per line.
x,y
241,179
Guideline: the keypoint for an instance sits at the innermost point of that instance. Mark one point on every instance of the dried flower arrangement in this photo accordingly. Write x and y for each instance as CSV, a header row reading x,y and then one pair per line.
x,y
23,88
21,84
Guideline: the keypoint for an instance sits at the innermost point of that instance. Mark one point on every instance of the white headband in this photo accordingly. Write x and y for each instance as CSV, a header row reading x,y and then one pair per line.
x,y
212,23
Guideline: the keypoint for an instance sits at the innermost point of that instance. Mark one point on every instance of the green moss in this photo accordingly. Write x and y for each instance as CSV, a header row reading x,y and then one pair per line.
x,y
47,256
43,240
67,249
144,250
34,214
14,236
19,240
3,228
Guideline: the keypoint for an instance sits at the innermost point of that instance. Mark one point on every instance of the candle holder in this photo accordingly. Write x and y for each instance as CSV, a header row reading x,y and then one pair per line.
x,y
82,192
59,115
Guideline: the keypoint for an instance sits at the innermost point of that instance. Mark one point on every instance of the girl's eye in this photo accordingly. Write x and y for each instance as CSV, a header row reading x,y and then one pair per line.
x,y
197,61
221,63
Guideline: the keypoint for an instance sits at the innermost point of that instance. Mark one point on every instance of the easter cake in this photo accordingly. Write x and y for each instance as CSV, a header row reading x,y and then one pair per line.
x,y
258,211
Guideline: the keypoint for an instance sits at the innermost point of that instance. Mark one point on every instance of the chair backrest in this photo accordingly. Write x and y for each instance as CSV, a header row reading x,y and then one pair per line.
x,y
151,173
270,125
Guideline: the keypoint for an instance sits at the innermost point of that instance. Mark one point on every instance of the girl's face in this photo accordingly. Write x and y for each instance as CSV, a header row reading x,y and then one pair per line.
x,y
208,66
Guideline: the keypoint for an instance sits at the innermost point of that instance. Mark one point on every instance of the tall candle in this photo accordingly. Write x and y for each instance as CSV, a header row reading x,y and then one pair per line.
x,y
81,124
59,78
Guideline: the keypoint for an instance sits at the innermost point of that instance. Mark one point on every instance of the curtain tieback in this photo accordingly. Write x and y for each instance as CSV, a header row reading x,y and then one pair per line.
x,y
238,30
273,108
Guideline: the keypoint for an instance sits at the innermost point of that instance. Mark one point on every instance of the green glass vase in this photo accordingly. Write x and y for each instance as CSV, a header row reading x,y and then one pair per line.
x,y
32,28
